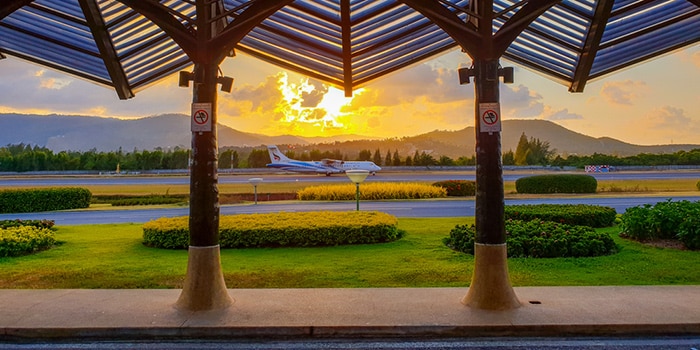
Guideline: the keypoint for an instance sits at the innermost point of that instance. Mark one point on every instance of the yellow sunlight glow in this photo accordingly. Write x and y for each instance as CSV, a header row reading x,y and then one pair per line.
x,y
313,110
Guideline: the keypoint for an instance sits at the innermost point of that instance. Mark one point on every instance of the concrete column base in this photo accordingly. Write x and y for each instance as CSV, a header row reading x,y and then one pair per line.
x,y
204,287
490,288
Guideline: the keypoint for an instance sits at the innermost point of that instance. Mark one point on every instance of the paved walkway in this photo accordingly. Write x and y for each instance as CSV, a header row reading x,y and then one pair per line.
x,y
380,312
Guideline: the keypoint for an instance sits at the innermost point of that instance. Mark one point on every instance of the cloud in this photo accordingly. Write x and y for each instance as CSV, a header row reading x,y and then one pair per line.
x,y
563,114
521,102
623,92
671,118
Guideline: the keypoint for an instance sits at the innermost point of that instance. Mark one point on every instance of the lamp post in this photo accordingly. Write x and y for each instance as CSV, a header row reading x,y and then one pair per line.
x,y
255,181
357,176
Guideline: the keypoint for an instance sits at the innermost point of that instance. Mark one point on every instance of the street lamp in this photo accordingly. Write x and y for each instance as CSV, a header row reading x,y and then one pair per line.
x,y
357,176
255,181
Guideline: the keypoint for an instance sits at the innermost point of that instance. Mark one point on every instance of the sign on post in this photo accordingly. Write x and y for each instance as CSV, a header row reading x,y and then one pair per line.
x,y
490,117
201,117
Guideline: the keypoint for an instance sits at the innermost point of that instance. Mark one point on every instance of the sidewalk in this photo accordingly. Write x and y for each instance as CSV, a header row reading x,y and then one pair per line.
x,y
350,313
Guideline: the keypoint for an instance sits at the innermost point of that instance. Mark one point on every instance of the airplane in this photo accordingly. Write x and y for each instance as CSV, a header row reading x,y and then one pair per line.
x,y
325,166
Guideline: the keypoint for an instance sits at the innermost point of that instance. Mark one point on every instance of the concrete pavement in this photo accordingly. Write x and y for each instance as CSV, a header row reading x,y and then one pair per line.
x,y
349,313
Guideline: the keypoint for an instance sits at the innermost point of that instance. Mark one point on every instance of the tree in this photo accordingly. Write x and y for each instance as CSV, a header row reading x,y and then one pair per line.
x,y
258,158
409,162
508,158
365,155
387,159
377,159
521,150
397,160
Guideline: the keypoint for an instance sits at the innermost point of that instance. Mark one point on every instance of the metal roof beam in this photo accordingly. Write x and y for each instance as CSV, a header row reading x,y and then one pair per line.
x,y
696,2
591,45
105,45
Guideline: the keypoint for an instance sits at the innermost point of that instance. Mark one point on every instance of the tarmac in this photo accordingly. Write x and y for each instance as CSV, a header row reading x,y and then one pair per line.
x,y
348,313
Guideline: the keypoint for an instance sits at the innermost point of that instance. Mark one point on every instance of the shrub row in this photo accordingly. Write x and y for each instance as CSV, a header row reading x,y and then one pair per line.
x,y
460,188
148,200
281,230
664,220
34,223
570,214
559,183
22,240
47,199
539,239
371,191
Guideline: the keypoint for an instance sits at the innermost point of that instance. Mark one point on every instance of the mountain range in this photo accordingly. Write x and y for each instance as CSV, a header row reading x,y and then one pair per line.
x,y
82,133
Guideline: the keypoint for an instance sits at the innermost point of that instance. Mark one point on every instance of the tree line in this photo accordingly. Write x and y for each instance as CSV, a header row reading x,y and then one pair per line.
x,y
530,151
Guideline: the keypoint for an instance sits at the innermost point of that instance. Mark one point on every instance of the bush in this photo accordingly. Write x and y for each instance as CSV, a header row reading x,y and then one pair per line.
x,y
460,188
698,185
560,183
34,223
22,240
664,220
540,239
570,214
151,199
48,199
371,191
281,230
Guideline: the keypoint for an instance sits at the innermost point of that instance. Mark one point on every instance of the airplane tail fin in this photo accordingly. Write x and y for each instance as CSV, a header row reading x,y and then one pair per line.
x,y
276,156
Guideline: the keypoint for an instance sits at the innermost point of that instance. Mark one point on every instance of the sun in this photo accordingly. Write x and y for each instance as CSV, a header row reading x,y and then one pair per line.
x,y
312,108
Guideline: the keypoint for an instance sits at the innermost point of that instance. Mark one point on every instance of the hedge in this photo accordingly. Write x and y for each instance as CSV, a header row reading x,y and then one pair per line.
x,y
559,183
461,188
664,220
539,239
301,229
22,240
48,199
571,214
371,191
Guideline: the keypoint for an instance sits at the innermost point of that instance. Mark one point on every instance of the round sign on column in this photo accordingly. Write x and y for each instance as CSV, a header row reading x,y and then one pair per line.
x,y
490,117
201,117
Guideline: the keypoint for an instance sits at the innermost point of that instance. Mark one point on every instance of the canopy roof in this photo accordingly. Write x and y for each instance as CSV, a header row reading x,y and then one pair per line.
x,y
346,43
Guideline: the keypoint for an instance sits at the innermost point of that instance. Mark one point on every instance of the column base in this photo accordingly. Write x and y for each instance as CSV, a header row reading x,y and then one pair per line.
x,y
204,287
490,288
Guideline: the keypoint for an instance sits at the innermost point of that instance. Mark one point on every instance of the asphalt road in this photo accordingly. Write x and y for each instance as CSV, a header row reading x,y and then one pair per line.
x,y
275,177
416,208
640,343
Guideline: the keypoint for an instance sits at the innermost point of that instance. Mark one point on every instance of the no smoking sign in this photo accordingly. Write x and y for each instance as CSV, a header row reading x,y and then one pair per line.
x,y
201,117
490,117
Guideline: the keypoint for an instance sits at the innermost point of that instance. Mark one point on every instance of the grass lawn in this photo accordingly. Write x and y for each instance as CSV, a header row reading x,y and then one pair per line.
x,y
112,256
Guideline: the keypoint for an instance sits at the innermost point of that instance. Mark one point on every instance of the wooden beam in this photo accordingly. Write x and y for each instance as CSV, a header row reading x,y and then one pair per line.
x,y
161,16
104,43
235,31
515,25
345,28
463,33
591,45
11,6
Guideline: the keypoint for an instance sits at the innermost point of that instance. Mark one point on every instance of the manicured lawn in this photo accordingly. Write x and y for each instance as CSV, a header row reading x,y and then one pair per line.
x,y
112,256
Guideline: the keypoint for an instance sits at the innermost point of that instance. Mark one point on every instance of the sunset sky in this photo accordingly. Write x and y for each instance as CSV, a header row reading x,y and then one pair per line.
x,y
657,102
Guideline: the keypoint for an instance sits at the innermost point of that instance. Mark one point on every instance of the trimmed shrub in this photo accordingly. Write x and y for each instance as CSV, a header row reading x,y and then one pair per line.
x,y
22,240
302,229
559,183
34,223
570,214
151,199
540,239
459,188
664,220
371,191
48,199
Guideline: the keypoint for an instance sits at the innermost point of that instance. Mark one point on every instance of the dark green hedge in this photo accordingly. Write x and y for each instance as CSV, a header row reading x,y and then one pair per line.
x,y
35,223
559,183
540,239
664,220
44,199
570,214
459,188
